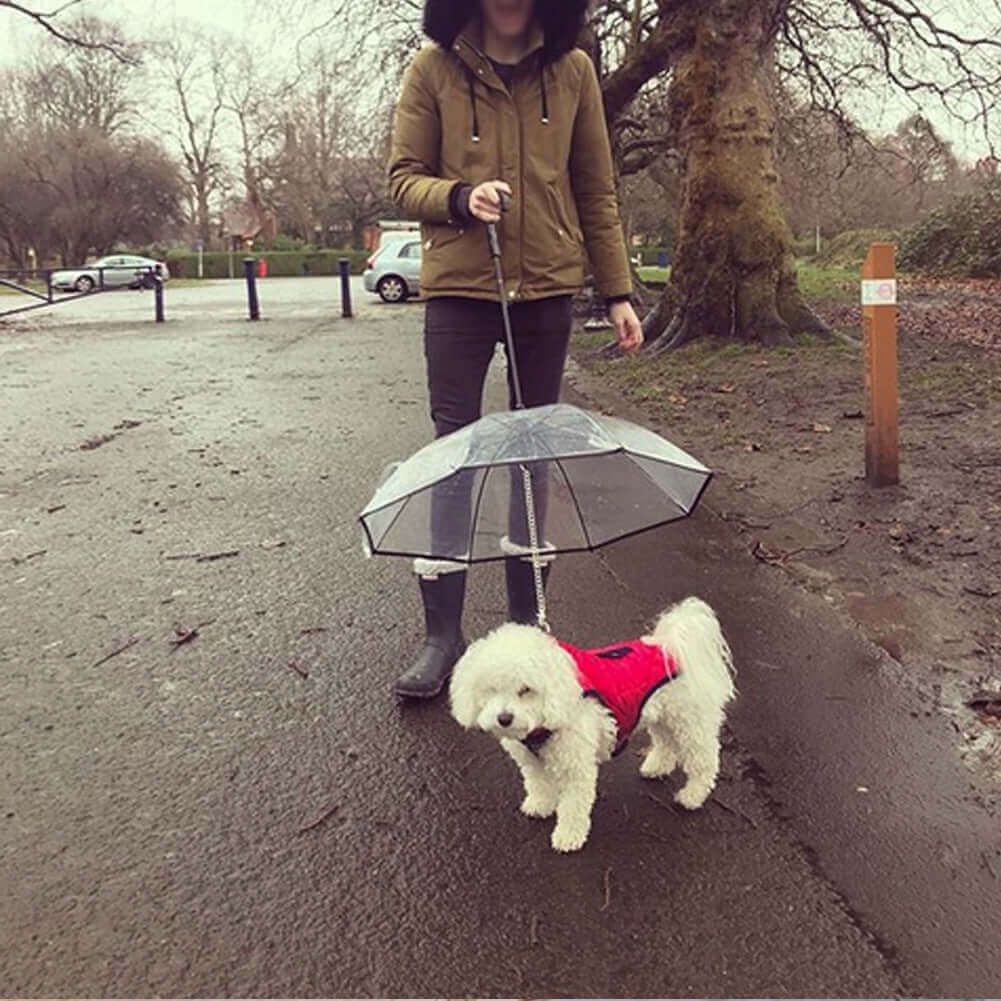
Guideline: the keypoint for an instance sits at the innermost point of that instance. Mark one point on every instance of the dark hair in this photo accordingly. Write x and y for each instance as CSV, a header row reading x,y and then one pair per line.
x,y
561,22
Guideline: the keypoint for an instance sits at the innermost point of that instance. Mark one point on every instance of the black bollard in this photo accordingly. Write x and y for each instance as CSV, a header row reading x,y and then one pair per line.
x,y
344,265
158,298
248,273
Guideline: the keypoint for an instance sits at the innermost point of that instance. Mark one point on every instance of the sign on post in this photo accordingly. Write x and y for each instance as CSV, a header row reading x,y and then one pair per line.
x,y
879,339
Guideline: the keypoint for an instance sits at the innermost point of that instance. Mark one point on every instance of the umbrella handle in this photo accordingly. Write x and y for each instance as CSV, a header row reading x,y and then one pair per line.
x,y
492,238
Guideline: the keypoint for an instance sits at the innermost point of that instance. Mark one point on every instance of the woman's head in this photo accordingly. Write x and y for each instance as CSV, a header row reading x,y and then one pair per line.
x,y
561,20
507,18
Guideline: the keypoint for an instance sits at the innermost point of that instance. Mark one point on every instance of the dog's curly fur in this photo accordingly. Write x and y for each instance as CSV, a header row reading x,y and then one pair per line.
x,y
522,675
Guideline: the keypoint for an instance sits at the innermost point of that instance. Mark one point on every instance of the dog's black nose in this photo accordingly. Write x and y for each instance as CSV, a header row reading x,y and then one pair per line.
x,y
505,719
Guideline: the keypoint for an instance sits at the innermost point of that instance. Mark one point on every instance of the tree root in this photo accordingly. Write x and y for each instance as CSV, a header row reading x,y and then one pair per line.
x,y
609,350
679,331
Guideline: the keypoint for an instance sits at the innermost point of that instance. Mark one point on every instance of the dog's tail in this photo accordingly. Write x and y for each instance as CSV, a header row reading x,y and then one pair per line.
x,y
690,633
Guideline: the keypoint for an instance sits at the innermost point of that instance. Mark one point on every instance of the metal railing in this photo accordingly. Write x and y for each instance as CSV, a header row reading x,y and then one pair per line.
x,y
46,284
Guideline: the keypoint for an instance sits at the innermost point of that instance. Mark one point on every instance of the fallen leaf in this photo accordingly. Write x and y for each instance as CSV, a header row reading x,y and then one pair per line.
x,y
727,387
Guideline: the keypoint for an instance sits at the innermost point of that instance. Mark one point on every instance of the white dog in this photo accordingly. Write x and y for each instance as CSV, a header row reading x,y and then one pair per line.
x,y
560,712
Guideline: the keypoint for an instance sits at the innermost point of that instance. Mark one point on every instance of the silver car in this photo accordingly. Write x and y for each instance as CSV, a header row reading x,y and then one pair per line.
x,y
113,271
394,270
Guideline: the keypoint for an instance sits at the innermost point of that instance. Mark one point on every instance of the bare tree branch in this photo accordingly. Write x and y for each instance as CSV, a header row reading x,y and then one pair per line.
x,y
115,46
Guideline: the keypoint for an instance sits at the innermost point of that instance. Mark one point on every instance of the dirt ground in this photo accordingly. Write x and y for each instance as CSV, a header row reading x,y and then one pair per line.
x,y
917,566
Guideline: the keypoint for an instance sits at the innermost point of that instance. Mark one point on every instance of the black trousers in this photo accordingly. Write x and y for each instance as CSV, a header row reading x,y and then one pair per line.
x,y
460,338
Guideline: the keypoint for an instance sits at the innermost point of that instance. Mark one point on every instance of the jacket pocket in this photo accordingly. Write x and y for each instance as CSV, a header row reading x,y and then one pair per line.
x,y
566,227
438,236
454,259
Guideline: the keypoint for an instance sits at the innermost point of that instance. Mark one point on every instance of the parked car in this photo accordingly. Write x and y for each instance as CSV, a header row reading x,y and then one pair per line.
x,y
394,270
113,271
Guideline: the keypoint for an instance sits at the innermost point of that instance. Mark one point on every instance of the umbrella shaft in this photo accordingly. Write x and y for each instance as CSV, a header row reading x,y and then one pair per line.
x,y
512,359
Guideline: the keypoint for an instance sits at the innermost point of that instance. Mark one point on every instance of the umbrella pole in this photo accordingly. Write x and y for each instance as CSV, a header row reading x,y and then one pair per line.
x,y
519,404
512,360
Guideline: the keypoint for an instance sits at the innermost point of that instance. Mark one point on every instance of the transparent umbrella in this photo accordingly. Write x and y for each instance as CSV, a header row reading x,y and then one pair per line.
x,y
537,480
545,479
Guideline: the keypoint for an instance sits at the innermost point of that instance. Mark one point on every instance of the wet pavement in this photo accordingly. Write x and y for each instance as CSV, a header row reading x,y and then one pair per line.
x,y
250,812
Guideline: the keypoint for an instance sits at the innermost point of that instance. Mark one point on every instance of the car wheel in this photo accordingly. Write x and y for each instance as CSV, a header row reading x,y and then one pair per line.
x,y
392,289
84,283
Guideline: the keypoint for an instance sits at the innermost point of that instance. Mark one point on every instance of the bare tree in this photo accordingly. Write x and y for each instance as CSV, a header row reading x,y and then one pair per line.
x,y
194,67
86,86
67,192
256,95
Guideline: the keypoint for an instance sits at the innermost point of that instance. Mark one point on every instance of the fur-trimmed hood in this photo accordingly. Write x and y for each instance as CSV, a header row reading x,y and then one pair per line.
x,y
561,22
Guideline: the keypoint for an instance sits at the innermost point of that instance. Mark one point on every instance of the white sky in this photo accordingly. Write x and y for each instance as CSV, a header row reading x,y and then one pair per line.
x,y
269,21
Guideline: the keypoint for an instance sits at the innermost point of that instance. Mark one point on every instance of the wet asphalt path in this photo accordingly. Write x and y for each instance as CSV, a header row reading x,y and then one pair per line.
x,y
152,805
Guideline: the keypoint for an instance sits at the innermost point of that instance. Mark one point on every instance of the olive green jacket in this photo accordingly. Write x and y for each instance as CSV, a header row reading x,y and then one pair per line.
x,y
456,122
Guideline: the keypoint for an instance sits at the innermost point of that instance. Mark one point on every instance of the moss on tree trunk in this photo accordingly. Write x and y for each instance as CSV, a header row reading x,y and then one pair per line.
x,y
734,275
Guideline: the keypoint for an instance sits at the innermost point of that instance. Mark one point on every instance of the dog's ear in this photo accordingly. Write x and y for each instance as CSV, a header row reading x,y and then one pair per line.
x,y
462,690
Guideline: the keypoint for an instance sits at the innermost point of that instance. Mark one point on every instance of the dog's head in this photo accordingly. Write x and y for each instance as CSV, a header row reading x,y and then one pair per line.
x,y
515,680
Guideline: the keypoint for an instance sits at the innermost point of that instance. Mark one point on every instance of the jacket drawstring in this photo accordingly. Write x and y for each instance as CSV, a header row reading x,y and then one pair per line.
x,y
472,103
472,100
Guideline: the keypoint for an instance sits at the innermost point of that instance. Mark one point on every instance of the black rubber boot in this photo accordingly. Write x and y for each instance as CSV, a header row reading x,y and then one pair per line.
x,y
522,605
443,597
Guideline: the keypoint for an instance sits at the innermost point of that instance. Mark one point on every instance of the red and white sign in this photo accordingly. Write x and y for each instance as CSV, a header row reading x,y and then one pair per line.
x,y
879,291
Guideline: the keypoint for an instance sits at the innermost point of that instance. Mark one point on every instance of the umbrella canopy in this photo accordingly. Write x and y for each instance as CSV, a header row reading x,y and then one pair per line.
x,y
594,479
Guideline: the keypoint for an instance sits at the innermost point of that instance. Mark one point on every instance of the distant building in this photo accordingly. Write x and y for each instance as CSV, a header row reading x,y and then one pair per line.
x,y
243,223
373,233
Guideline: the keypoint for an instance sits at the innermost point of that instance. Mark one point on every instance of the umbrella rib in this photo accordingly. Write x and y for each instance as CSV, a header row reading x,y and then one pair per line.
x,y
396,517
665,492
580,515
476,513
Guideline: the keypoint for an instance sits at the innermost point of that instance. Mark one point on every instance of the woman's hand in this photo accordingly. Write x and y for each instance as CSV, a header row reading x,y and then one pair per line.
x,y
628,328
485,202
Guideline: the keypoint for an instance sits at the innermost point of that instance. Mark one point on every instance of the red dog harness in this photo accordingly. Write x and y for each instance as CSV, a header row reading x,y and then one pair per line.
x,y
622,678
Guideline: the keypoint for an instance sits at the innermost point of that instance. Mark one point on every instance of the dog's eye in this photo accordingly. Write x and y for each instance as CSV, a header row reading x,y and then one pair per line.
x,y
525,690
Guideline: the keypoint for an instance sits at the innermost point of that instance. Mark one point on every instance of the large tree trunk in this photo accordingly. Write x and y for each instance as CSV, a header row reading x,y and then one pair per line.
x,y
734,274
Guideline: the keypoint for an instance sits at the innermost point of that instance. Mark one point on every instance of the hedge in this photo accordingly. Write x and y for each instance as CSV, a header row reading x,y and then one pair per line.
x,y
849,249
961,239
281,263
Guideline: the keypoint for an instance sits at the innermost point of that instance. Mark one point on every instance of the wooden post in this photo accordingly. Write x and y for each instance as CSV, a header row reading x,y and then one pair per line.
x,y
879,335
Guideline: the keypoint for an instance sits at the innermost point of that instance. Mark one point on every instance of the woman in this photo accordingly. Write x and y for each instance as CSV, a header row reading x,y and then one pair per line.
x,y
503,103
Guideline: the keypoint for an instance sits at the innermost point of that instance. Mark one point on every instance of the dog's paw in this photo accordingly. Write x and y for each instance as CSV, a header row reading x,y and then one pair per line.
x,y
658,765
536,806
569,839
692,795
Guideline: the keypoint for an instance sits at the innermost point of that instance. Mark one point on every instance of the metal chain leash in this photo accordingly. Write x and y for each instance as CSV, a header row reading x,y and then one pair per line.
x,y
536,554
526,477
